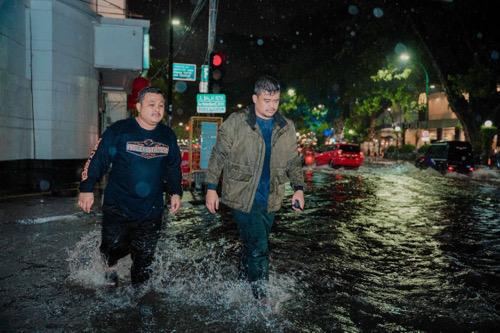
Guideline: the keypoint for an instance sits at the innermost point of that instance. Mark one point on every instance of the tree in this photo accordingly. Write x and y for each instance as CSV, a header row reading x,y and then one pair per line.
x,y
467,64
391,88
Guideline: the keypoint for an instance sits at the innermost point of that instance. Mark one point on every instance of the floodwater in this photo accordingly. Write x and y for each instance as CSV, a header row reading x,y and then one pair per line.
x,y
383,248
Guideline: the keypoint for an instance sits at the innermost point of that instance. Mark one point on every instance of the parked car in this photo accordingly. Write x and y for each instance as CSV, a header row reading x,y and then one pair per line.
x,y
448,156
340,155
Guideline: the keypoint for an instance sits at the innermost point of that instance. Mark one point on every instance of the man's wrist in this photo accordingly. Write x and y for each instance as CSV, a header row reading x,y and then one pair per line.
x,y
298,188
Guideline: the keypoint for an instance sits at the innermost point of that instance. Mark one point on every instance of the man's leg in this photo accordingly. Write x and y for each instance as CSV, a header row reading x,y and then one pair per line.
x,y
144,237
254,228
114,241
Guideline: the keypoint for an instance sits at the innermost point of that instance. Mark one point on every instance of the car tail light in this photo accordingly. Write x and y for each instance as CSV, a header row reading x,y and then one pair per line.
x,y
471,169
450,169
309,159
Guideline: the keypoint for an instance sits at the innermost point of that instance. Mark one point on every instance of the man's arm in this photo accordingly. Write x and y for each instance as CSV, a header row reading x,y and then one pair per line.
x,y
294,171
218,157
96,166
174,172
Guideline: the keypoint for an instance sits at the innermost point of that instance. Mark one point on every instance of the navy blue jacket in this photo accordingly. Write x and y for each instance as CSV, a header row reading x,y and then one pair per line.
x,y
141,162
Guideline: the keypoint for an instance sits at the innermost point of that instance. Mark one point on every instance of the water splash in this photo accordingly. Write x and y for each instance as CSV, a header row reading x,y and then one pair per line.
x,y
186,277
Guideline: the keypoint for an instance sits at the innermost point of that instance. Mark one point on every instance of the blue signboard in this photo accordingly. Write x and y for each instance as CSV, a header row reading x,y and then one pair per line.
x,y
184,72
208,139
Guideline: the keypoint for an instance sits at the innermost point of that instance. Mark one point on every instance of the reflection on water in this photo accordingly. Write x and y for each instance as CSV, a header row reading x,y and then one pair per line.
x,y
386,248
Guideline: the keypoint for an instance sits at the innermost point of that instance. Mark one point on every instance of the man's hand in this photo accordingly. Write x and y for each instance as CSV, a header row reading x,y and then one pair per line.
x,y
175,203
299,196
212,201
85,201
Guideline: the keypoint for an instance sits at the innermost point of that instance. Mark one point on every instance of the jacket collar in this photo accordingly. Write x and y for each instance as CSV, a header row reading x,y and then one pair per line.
x,y
252,118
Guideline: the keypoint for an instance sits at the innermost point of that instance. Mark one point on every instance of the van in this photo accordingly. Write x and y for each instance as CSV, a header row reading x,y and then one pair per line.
x,y
448,156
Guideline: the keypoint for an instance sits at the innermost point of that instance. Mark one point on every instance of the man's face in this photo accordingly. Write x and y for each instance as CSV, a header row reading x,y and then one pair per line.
x,y
152,109
266,104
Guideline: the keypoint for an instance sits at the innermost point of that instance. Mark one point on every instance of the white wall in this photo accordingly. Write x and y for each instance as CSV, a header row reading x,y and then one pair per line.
x,y
65,83
48,79
16,125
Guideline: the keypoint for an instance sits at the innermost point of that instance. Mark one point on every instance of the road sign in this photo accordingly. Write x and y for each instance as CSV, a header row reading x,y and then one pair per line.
x,y
210,103
184,72
204,73
203,87
208,139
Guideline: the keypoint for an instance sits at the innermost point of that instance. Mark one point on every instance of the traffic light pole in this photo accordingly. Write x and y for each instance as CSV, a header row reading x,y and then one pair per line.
x,y
170,106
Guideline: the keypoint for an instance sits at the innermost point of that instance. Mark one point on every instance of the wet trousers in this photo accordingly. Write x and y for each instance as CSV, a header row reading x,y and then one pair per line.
x,y
254,228
122,235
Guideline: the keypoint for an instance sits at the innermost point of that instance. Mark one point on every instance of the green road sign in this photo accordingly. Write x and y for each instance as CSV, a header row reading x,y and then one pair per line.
x,y
204,73
184,72
210,103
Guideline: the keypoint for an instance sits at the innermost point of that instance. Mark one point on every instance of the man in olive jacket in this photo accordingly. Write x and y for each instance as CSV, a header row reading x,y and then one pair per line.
x,y
257,152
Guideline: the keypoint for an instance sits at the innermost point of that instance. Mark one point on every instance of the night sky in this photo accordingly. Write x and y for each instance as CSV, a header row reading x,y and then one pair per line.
x,y
296,40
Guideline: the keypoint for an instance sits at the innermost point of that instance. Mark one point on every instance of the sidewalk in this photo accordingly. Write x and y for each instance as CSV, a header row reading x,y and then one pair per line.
x,y
44,208
36,209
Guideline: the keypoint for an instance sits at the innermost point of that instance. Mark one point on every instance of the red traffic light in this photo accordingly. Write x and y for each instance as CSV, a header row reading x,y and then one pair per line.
x,y
216,59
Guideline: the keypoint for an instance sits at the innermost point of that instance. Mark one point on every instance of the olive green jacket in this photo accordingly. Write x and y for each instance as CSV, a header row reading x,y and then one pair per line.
x,y
239,154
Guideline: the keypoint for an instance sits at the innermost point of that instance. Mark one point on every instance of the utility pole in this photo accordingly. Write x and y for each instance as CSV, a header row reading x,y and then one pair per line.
x,y
212,23
170,106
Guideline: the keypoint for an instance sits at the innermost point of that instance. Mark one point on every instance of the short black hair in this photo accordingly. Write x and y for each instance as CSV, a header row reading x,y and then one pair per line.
x,y
150,90
266,83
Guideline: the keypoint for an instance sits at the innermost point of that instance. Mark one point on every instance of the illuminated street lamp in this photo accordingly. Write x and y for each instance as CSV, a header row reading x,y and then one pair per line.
x,y
405,57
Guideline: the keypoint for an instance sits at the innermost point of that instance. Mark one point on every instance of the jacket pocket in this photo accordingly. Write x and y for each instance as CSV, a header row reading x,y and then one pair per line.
x,y
238,172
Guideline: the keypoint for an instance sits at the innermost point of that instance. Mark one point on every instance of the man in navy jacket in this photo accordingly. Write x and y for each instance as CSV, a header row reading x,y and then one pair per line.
x,y
142,154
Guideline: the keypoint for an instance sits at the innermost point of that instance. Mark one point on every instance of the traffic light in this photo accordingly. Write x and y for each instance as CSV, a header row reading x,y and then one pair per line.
x,y
215,72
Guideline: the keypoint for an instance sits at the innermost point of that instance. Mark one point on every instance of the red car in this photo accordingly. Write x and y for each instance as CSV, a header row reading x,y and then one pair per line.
x,y
340,155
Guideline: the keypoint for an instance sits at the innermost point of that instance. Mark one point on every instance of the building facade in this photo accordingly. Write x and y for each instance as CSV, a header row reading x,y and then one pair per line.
x,y
59,60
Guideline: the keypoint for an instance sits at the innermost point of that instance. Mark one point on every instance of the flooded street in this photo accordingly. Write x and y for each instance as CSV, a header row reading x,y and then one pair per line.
x,y
382,248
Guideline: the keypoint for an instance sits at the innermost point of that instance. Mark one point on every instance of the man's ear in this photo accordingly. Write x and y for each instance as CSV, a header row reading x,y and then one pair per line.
x,y
254,98
138,107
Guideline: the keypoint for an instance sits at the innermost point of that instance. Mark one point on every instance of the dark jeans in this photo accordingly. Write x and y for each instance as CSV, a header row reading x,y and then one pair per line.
x,y
122,235
254,228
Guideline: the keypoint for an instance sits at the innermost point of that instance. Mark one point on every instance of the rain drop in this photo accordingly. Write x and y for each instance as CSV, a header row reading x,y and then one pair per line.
x,y
179,111
112,151
479,35
378,12
353,10
180,86
494,55
44,184
260,42
142,189
400,48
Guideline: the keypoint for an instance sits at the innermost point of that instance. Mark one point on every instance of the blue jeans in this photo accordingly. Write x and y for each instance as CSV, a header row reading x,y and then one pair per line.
x,y
254,228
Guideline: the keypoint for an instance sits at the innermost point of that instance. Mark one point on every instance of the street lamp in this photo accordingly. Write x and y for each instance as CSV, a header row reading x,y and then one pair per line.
x,y
405,57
